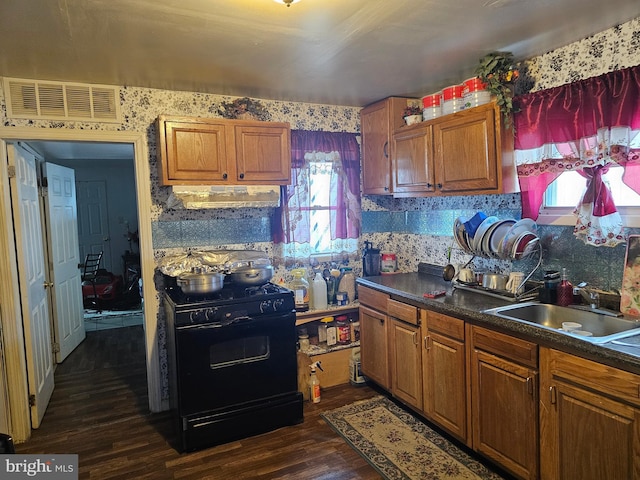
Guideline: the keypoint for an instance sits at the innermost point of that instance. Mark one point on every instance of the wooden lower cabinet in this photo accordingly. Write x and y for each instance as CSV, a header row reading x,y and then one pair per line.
x,y
374,346
444,373
589,419
504,399
405,360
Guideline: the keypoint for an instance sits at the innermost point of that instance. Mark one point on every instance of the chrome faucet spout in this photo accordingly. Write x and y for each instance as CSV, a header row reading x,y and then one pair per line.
x,y
590,296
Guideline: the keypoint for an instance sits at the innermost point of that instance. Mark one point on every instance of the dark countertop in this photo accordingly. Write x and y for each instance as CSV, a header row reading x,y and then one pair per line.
x,y
468,306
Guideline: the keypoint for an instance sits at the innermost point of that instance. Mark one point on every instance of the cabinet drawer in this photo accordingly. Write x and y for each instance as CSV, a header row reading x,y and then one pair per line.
x,y
445,325
373,298
594,376
505,346
402,311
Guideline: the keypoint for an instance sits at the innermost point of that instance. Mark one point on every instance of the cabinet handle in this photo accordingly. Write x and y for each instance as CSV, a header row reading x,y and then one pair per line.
x,y
386,189
382,321
415,338
385,149
530,385
552,394
224,176
440,186
241,175
427,342
429,185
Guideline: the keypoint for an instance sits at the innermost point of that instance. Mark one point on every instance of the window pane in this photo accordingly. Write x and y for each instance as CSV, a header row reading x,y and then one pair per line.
x,y
568,188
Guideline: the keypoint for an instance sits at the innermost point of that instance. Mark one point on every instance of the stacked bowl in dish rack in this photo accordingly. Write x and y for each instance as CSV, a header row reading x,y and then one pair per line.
x,y
491,237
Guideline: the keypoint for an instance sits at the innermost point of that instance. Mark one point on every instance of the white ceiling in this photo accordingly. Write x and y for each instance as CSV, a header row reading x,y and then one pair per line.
x,y
344,52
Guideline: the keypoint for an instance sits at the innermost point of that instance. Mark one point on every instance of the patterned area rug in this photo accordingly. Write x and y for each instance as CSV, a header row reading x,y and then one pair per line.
x,y
399,445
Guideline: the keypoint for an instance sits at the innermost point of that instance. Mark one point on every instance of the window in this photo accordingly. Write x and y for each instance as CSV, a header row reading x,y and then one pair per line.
x,y
565,192
320,213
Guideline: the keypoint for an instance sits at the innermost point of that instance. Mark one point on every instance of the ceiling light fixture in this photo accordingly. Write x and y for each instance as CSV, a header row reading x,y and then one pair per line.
x,y
287,2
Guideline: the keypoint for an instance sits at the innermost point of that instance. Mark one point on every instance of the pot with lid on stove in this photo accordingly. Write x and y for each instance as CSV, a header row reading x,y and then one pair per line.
x,y
251,274
199,282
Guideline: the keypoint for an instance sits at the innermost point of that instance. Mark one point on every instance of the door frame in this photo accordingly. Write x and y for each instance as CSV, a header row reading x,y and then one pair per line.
x,y
10,306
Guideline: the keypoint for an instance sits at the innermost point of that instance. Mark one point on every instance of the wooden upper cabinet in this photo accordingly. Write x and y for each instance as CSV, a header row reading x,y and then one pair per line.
x,y
378,121
413,161
466,152
260,153
214,151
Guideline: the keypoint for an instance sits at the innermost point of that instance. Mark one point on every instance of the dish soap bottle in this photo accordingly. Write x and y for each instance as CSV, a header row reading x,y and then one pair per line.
x,y
565,290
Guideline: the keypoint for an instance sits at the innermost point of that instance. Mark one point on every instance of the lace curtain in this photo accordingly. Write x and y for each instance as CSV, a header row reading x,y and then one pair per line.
x,y
584,126
333,158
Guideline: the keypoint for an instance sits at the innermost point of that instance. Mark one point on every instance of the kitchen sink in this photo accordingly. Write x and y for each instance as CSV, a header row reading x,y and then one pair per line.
x,y
603,328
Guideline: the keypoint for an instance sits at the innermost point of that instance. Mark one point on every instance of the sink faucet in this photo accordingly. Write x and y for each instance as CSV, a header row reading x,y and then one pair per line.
x,y
590,296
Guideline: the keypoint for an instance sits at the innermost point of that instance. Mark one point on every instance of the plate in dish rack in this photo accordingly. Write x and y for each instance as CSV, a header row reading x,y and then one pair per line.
x,y
516,230
480,233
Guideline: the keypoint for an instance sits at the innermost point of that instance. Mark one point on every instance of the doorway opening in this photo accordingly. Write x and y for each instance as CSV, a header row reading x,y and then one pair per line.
x,y
16,357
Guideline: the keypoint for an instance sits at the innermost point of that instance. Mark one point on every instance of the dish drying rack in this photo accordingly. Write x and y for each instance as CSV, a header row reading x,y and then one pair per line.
x,y
524,296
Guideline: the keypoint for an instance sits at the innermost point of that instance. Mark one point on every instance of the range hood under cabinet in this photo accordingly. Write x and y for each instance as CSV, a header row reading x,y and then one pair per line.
x,y
217,151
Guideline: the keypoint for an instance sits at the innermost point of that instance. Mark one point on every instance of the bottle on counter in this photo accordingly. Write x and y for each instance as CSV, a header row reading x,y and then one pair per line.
x,y
300,288
565,290
319,288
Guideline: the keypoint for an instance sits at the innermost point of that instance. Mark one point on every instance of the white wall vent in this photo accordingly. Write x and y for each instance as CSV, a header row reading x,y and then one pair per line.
x,y
48,100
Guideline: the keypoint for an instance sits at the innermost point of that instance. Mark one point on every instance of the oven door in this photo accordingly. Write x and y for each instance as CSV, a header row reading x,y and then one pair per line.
x,y
249,360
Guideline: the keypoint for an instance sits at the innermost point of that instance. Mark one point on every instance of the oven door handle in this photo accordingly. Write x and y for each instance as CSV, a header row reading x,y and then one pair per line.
x,y
232,321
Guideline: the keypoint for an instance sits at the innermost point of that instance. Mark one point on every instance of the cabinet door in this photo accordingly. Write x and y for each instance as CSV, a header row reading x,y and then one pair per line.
x,y
413,161
194,153
590,437
263,154
406,376
444,380
466,155
589,419
505,413
374,346
377,123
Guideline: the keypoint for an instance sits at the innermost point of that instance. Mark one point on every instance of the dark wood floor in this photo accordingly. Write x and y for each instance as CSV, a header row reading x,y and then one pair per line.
x,y
99,410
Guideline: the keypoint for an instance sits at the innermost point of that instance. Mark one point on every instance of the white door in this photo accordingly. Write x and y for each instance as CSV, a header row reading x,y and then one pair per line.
x,y
93,221
62,238
32,279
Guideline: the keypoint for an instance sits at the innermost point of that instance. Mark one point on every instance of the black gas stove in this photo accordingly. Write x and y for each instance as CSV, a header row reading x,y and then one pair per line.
x,y
232,363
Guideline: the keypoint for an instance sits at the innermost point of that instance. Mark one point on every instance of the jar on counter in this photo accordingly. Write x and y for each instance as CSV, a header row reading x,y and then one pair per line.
x,y
355,329
332,333
322,329
303,341
343,330
348,284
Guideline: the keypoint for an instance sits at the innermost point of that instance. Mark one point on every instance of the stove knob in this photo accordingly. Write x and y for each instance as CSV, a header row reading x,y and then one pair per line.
x,y
197,316
266,306
277,304
211,314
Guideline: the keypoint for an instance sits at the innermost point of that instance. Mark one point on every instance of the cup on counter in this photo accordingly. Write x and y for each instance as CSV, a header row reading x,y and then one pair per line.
x,y
571,326
466,275
514,281
494,281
